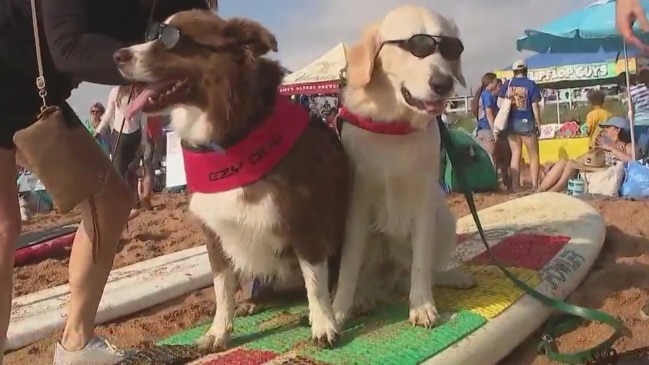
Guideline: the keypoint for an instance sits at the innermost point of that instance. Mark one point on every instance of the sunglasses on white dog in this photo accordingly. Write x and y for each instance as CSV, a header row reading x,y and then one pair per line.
x,y
424,45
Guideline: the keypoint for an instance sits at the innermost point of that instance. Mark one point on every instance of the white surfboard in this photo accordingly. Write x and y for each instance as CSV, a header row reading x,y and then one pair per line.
x,y
581,231
130,289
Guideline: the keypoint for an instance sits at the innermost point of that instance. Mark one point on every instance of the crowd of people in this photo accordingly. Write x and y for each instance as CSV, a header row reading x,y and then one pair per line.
x,y
610,136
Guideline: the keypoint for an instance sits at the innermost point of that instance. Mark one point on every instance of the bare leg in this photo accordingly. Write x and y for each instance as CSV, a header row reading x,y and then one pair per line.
x,y
87,275
147,187
515,145
9,231
532,145
568,173
553,176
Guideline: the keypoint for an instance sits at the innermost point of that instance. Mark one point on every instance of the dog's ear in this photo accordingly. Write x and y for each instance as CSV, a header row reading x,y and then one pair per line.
x,y
456,66
251,35
360,58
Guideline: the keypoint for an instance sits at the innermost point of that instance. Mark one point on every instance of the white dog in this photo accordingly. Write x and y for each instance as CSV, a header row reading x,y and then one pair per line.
x,y
399,78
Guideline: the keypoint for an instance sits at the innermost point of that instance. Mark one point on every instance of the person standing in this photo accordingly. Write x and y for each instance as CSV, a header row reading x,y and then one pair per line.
x,y
523,123
96,112
484,108
77,40
128,134
597,115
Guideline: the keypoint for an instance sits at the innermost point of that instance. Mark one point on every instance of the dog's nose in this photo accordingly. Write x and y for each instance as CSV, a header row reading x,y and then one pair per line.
x,y
441,85
122,56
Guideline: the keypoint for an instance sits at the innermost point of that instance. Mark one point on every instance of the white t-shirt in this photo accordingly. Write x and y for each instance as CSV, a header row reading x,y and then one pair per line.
x,y
114,116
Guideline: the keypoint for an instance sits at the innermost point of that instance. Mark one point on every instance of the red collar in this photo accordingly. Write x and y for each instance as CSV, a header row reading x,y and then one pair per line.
x,y
392,128
250,159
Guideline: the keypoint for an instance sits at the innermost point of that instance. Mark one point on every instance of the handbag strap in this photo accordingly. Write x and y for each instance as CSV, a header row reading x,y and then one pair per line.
x,y
40,80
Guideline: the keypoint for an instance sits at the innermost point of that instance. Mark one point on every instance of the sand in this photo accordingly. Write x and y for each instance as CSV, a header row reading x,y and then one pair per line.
x,y
618,283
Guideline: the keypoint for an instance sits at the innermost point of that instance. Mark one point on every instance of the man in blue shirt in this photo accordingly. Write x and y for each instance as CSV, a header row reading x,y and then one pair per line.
x,y
523,122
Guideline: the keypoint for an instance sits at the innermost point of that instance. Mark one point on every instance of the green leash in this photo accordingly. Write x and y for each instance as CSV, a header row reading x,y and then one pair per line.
x,y
573,315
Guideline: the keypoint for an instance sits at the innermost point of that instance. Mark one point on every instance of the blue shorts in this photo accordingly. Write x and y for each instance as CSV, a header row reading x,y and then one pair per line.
x,y
522,127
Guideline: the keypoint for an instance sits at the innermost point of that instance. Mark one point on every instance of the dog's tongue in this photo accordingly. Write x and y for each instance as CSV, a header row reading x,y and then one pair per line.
x,y
143,98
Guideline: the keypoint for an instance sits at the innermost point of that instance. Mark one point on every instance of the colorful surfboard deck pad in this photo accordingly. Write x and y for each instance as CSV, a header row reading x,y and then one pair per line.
x,y
280,335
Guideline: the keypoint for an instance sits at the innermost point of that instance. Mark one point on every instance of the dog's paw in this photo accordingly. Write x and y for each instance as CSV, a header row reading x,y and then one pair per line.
x,y
363,306
454,278
213,342
424,315
324,333
248,308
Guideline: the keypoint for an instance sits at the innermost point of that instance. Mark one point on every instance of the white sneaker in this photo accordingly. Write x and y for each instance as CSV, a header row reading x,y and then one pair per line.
x,y
98,351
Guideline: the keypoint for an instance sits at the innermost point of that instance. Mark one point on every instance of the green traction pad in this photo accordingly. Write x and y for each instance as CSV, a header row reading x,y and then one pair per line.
x,y
384,338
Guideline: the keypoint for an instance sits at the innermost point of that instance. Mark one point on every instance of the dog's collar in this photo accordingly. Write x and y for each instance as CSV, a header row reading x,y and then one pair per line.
x,y
249,160
391,128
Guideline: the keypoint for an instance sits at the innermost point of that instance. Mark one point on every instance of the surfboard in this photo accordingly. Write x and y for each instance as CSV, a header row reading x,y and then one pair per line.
x,y
34,238
130,289
43,248
549,240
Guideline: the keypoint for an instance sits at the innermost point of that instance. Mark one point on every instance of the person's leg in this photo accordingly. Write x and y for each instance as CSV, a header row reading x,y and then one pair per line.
x,y
553,176
9,231
488,142
515,145
568,173
149,171
89,266
126,148
532,145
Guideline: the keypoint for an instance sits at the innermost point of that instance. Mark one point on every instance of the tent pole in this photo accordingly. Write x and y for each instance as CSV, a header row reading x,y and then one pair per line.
x,y
628,98
556,101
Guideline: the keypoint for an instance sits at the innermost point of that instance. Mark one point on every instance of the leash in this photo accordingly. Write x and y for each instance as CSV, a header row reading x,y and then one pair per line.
x,y
573,315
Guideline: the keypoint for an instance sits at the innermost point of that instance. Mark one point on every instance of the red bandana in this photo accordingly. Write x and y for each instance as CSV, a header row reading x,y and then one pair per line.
x,y
392,128
250,159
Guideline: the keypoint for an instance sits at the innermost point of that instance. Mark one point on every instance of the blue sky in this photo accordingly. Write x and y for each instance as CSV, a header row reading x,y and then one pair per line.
x,y
308,28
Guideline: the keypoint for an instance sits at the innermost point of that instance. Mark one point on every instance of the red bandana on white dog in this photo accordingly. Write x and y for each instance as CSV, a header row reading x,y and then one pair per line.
x,y
250,159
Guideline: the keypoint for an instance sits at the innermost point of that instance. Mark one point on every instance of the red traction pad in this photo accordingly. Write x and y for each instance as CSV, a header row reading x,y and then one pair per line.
x,y
527,251
241,357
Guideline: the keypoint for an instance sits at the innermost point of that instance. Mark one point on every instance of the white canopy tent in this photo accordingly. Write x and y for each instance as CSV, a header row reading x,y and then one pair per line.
x,y
320,76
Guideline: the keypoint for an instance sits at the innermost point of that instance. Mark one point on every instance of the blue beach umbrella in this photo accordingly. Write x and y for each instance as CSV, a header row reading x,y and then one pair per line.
x,y
587,30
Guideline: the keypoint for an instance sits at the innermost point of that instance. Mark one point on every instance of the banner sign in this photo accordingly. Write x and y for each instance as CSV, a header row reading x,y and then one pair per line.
x,y
579,72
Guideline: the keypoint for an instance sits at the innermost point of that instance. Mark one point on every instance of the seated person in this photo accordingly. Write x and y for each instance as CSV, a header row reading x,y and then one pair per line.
x,y
614,140
597,115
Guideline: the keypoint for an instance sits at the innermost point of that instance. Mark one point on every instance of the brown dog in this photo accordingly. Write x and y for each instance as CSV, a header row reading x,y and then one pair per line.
x,y
270,187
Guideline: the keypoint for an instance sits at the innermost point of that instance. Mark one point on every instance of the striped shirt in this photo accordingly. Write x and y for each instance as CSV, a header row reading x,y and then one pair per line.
x,y
640,99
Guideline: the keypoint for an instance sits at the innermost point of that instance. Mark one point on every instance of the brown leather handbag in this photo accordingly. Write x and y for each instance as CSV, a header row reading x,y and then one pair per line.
x,y
60,151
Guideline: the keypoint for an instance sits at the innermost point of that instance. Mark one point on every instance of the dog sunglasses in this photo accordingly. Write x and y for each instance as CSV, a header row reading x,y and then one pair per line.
x,y
424,45
170,36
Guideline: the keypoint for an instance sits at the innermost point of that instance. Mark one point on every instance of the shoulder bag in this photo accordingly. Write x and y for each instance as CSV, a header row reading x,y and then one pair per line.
x,y
502,118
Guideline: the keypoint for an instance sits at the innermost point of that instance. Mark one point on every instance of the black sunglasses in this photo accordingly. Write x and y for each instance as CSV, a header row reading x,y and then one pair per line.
x,y
171,36
424,45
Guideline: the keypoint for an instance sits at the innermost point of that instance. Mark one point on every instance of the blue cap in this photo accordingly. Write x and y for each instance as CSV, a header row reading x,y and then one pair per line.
x,y
618,122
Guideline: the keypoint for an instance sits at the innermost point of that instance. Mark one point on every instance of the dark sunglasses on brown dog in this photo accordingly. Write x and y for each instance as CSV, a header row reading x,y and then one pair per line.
x,y
424,45
171,36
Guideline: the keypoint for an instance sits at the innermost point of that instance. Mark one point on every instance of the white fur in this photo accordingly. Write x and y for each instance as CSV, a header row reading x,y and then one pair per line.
x,y
191,124
138,69
396,192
